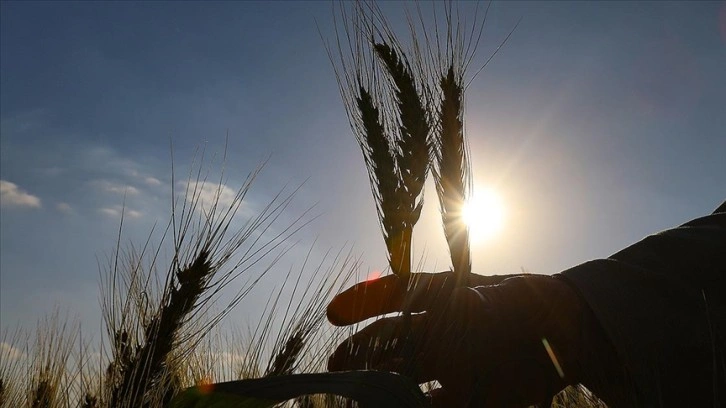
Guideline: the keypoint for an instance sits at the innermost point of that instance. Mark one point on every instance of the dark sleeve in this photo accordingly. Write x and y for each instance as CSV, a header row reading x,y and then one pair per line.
x,y
662,304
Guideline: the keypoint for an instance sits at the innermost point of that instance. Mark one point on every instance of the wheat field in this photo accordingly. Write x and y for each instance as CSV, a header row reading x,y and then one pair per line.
x,y
161,314
161,336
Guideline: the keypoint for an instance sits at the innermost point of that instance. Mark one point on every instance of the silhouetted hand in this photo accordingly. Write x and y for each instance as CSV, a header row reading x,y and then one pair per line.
x,y
512,344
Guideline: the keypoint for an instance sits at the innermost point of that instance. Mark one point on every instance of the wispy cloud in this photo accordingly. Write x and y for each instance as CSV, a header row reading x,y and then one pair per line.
x,y
115,188
228,358
9,352
112,161
209,194
116,212
11,195
65,208
152,181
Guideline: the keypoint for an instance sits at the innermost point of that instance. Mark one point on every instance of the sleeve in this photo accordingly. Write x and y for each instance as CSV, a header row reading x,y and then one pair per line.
x,y
662,304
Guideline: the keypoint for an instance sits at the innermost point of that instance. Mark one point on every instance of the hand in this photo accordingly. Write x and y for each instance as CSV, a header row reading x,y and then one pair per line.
x,y
512,344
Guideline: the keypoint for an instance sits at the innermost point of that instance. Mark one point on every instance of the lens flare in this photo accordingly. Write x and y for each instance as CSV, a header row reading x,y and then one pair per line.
x,y
373,276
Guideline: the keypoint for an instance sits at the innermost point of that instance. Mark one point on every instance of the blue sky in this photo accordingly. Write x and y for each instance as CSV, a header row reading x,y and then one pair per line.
x,y
598,123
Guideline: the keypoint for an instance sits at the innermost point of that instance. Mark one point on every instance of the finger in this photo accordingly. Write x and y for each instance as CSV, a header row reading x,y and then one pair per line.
x,y
364,300
387,295
375,345
390,344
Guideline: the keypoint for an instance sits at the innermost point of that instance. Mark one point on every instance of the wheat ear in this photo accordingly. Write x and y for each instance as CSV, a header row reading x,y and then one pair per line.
x,y
385,184
146,364
412,149
452,174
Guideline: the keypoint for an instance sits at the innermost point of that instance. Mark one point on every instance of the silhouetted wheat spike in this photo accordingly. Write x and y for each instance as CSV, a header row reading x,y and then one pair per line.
x,y
452,172
89,401
44,393
412,148
146,365
284,361
385,183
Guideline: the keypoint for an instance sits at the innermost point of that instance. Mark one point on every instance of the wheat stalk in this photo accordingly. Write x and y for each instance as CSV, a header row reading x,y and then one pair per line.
x,y
383,174
145,365
388,112
455,47
452,174
412,149
153,330
49,376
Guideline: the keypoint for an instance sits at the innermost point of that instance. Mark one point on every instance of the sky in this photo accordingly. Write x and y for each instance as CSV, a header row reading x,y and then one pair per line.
x,y
597,124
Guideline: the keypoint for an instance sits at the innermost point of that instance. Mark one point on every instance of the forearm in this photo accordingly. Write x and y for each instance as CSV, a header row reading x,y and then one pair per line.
x,y
581,346
665,331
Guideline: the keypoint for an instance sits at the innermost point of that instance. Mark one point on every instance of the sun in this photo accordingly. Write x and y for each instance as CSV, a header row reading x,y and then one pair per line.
x,y
484,214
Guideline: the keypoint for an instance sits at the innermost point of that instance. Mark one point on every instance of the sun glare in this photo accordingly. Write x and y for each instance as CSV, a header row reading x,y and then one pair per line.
x,y
373,276
484,215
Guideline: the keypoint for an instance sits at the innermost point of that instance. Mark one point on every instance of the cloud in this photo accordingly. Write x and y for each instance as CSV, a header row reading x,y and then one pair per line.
x,y
152,181
209,193
65,208
116,212
149,180
12,196
9,352
229,358
111,161
115,188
